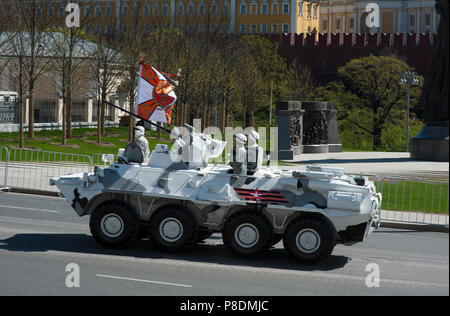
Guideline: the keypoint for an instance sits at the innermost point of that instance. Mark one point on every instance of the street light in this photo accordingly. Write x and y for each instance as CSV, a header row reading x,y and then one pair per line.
x,y
409,78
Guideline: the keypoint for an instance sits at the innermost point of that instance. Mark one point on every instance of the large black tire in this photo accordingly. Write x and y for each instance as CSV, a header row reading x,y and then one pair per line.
x,y
114,224
173,228
247,234
309,240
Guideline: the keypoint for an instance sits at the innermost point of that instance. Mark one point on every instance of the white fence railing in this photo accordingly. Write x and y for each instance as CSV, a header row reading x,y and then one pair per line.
x,y
404,199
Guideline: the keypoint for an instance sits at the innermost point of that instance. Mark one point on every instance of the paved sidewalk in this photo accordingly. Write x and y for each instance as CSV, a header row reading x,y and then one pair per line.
x,y
379,163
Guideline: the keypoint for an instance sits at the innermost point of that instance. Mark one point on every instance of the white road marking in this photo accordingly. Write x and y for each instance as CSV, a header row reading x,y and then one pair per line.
x,y
140,280
28,208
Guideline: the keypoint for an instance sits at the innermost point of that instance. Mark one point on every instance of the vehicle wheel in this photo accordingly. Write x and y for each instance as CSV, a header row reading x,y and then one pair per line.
x,y
173,228
114,224
309,240
247,234
203,234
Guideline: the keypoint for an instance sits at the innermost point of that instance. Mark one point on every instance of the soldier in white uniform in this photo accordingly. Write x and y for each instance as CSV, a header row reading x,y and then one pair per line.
x,y
239,157
255,152
142,142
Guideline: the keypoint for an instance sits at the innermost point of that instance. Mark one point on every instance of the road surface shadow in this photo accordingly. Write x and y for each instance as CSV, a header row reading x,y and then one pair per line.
x,y
348,160
206,252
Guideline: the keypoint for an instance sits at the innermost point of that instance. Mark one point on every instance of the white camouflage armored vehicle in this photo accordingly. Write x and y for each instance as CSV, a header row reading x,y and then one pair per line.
x,y
178,203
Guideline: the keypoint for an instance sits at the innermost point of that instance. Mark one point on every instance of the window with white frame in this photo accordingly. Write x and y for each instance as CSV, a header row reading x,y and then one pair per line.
x,y
325,25
427,22
213,8
412,22
253,28
201,9
309,10
315,8
191,8
135,10
50,11
285,28
300,8
190,28
274,7
253,8
264,8
242,28
180,9
213,28
285,7
107,29
263,28
225,28
165,9
201,28
108,10
352,23
61,10
125,9
274,28
38,11
97,10
155,9
225,9
243,8
338,24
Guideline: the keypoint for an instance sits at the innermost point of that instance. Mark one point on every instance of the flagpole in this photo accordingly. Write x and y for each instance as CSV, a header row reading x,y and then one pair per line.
x,y
137,116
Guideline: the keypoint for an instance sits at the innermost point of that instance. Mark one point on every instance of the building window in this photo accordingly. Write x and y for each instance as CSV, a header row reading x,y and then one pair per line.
x,y
300,8
180,10
125,29
274,8
108,10
253,28
146,9
191,9
243,10
213,28
97,10
135,10
201,28
286,8
412,22
338,24
213,9
165,9
107,29
253,9
285,28
263,28
352,23
325,25
274,28
190,28
225,9
155,9
125,10
87,29
97,29
61,10
201,9
242,28
309,29
264,8
87,10
427,28
309,10
50,11
315,11
225,28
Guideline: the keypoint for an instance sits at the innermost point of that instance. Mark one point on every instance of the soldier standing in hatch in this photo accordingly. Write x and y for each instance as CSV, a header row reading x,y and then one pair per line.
x,y
142,142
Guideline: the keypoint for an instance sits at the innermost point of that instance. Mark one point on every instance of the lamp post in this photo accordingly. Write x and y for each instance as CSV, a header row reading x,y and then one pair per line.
x,y
409,78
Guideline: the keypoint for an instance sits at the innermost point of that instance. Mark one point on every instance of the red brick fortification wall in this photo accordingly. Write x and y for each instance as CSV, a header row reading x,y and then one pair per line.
x,y
325,53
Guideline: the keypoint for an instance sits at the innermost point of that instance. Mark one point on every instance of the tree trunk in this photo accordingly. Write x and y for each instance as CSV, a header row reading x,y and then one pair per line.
x,y
21,112
64,122
69,112
377,130
99,124
31,114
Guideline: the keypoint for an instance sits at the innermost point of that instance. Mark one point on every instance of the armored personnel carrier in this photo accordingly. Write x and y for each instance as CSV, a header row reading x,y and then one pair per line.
x,y
178,203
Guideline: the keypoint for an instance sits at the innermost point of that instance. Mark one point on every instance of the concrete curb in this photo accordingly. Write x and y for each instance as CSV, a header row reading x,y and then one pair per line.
x,y
33,191
415,226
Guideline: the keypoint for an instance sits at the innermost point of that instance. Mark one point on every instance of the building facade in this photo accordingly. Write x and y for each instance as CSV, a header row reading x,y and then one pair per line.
x,y
407,16
225,16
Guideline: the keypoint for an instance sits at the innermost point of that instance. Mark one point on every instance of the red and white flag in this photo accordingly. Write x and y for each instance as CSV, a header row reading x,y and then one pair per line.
x,y
155,95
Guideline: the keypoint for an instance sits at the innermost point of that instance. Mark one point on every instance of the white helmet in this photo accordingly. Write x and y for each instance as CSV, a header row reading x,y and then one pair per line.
x,y
241,138
253,135
139,131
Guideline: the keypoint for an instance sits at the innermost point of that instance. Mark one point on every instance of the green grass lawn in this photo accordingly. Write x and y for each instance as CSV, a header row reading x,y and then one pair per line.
x,y
83,142
415,197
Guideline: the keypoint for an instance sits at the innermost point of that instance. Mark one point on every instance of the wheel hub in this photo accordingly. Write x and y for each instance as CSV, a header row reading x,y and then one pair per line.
x,y
112,225
171,229
246,235
308,240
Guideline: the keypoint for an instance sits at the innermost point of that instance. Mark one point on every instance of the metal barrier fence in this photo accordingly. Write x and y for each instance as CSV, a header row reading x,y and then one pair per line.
x,y
415,201
31,169
4,157
404,200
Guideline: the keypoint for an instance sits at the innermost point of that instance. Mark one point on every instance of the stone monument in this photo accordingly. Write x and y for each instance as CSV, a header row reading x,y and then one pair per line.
x,y
432,141
306,127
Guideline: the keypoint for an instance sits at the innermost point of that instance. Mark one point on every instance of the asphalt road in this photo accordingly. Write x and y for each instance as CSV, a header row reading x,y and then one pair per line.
x,y
40,236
